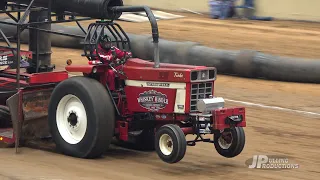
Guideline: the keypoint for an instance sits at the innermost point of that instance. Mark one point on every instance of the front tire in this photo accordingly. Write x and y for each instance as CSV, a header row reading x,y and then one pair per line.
x,y
170,143
230,143
81,117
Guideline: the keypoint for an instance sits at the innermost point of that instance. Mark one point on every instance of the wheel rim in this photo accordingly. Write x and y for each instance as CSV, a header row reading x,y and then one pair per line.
x,y
225,140
71,119
166,144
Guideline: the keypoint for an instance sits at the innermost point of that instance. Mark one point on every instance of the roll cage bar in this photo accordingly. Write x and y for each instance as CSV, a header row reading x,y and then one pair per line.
x,y
101,28
21,25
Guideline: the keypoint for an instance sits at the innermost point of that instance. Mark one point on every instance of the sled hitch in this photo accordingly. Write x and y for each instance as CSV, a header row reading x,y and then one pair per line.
x,y
25,105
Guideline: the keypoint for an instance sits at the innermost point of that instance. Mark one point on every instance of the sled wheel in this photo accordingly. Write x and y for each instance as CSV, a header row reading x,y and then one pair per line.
x,y
81,117
170,143
230,143
5,122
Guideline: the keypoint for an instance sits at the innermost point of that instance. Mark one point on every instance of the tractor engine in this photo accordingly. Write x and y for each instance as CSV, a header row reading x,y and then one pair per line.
x,y
171,89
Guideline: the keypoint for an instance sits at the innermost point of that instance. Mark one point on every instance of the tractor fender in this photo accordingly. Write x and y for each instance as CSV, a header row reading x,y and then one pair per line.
x,y
81,68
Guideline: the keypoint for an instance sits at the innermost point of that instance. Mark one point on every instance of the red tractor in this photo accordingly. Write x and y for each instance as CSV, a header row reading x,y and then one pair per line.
x,y
150,104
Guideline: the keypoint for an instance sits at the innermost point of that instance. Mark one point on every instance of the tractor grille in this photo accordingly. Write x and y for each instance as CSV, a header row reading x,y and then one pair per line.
x,y
199,91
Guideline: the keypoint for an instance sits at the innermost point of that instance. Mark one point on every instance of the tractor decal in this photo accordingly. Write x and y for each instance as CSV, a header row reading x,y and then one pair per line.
x,y
3,58
7,58
155,84
153,100
5,61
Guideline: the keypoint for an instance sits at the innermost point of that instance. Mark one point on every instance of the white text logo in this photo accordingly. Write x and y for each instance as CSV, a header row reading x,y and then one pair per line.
x,y
179,75
270,162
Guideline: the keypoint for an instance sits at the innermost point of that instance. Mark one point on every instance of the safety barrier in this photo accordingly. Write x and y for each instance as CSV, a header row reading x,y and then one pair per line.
x,y
243,63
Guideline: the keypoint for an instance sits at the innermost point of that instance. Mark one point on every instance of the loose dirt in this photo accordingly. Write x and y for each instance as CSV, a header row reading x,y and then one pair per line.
x,y
270,132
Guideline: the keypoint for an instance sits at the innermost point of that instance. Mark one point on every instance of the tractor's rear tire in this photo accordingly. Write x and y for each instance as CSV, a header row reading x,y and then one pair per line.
x,y
5,122
81,117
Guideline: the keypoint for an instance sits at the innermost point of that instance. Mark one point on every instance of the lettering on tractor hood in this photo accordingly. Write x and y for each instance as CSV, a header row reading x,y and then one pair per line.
x,y
158,84
178,75
153,100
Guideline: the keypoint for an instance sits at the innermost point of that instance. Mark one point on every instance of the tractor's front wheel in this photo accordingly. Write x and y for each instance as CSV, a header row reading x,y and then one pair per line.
x,y
81,117
170,143
230,142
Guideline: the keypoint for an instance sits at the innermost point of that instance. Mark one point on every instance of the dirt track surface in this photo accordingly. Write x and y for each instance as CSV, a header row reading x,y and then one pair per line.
x,y
269,131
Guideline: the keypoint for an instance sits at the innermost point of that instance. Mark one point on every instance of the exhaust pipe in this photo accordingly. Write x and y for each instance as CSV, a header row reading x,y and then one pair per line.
x,y
154,26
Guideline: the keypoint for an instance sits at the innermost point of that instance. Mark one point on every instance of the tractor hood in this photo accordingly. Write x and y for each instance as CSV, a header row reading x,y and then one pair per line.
x,y
137,69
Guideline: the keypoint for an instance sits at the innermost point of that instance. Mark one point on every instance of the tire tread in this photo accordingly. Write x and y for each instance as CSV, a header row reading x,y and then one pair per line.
x,y
98,97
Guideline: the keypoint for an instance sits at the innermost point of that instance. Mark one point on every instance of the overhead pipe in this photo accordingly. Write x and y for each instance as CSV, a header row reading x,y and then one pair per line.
x,y
154,27
99,9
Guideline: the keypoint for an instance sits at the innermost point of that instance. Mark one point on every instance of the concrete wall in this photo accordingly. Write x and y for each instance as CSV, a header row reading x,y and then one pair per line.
x,y
284,9
290,9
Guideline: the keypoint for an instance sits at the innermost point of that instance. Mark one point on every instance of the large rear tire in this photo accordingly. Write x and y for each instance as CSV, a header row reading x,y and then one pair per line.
x,y
81,117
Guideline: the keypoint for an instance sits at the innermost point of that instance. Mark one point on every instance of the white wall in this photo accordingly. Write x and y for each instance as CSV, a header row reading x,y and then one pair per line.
x,y
284,9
